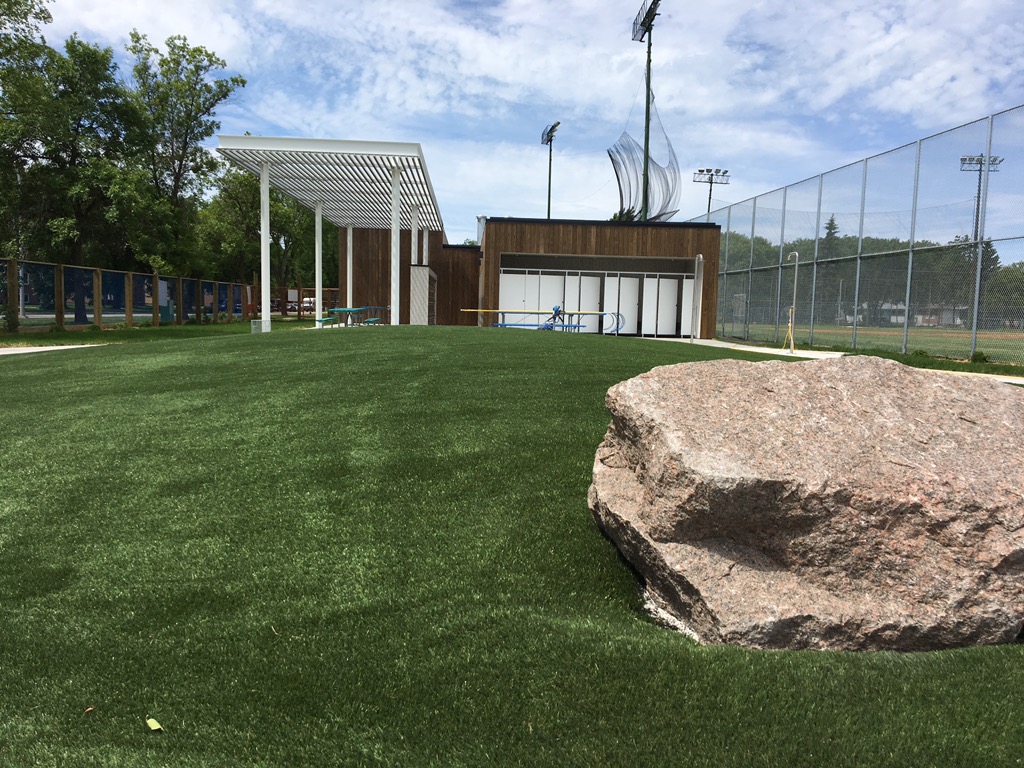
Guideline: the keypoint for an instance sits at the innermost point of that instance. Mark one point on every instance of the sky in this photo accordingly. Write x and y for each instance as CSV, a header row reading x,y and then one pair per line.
x,y
774,92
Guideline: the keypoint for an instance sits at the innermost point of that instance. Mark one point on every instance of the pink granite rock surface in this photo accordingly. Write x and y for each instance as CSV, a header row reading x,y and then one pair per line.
x,y
851,503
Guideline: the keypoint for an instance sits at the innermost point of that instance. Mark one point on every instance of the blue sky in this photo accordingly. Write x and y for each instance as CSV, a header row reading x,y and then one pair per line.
x,y
775,92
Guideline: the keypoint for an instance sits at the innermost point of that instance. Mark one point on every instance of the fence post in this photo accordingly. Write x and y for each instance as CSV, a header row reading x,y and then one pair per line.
x,y
97,297
814,264
979,247
910,250
179,303
860,251
750,271
154,295
13,308
129,299
58,295
782,248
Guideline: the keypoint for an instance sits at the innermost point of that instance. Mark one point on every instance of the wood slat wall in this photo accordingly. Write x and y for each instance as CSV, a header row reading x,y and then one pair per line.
x,y
458,283
599,238
457,269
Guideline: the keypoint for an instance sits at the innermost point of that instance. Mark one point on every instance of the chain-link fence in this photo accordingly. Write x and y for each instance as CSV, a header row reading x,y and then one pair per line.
x,y
920,248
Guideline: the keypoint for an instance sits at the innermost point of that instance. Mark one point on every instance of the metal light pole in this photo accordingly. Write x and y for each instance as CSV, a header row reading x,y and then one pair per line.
x,y
711,177
642,26
978,163
548,137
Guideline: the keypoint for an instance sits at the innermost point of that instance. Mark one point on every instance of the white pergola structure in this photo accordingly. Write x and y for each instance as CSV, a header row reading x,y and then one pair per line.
x,y
354,184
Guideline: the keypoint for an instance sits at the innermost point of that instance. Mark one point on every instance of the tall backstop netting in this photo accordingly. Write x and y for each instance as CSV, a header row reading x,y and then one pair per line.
x,y
920,248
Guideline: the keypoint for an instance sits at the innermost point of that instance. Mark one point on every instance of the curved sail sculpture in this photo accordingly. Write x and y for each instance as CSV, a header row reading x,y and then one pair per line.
x,y
627,157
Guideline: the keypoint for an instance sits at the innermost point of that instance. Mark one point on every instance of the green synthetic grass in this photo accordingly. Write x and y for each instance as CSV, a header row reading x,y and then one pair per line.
x,y
140,333
372,547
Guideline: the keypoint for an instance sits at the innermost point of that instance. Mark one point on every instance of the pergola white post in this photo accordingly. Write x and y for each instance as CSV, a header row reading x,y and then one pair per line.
x,y
414,236
426,247
265,247
318,211
396,242
348,268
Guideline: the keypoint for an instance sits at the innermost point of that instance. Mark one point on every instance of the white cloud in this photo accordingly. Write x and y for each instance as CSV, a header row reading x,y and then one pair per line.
x,y
776,92
215,26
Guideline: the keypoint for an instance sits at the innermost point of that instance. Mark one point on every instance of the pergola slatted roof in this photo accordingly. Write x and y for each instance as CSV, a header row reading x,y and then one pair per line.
x,y
351,179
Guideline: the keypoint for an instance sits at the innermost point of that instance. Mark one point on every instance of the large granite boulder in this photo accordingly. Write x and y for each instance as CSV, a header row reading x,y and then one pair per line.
x,y
851,503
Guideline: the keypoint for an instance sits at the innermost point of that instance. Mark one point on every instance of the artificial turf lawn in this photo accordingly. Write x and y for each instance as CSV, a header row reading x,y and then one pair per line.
x,y
372,546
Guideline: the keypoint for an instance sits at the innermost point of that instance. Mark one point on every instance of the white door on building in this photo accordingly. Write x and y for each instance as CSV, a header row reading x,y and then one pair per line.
x,y
687,319
583,294
517,292
622,295
661,306
551,294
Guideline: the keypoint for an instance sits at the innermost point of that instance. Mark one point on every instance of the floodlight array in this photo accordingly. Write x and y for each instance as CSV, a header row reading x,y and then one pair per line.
x,y
645,19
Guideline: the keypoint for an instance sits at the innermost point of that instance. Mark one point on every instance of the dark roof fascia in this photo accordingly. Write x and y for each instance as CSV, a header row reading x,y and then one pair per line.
x,y
606,223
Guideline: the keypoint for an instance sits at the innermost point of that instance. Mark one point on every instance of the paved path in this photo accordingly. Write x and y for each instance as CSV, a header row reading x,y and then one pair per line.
x,y
51,348
805,353
821,355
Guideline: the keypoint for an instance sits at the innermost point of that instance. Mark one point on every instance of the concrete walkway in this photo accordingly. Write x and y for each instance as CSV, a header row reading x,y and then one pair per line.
x,y
51,348
812,354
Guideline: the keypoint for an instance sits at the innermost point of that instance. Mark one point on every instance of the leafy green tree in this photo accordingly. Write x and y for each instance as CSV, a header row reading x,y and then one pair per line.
x,y
229,230
20,48
67,120
179,95
625,214
828,248
177,92
1003,298
19,29
229,227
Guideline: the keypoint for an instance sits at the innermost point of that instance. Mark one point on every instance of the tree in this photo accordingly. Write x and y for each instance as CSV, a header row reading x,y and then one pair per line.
x,y
178,94
1003,299
179,97
19,29
229,227
828,248
625,214
67,122
229,230
20,48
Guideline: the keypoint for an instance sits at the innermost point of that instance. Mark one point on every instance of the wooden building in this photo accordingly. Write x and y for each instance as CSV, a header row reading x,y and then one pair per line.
x,y
453,274
662,278
647,279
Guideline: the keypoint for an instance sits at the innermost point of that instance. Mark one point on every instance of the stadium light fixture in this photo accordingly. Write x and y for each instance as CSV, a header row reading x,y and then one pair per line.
x,y
711,177
548,137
